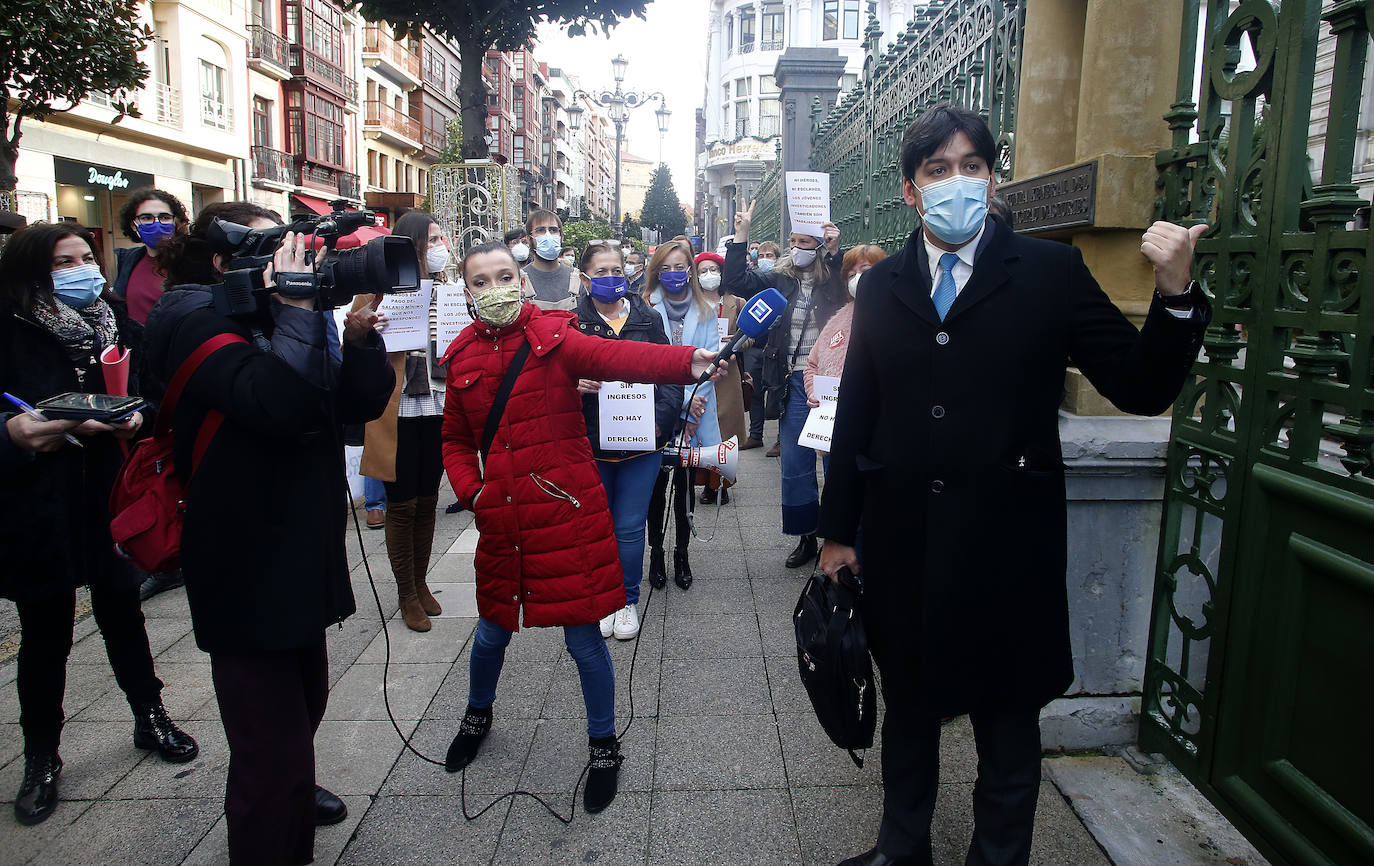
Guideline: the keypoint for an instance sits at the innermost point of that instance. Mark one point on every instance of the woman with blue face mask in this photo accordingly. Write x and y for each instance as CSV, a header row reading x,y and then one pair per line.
x,y
689,319
54,520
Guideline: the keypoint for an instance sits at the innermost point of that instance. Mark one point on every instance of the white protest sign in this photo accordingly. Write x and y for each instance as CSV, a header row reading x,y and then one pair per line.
x,y
723,326
808,201
453,314
627,416
407,327
820,424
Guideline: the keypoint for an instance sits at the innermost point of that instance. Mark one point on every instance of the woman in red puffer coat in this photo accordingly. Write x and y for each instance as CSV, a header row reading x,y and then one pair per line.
x,y
547,541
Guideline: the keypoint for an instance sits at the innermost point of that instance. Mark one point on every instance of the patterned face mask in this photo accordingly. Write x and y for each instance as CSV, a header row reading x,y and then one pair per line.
x,y
498,306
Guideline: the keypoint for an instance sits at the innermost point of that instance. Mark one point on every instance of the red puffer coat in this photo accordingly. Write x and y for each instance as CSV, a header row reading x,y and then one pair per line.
x,y
547,541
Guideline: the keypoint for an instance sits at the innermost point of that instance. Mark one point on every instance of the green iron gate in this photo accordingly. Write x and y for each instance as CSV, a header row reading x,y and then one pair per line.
x,y
1260,678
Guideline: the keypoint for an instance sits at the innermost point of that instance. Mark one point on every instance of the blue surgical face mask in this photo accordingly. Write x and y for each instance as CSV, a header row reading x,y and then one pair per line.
x,y
674,282
608,290
153,233
767,265
78,287
754,254
548,246
955,208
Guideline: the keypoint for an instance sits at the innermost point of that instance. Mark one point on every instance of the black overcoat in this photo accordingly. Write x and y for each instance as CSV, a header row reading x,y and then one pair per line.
x,y
263,544
946,445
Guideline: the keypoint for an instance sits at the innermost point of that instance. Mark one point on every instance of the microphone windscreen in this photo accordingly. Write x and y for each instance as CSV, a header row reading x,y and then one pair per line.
x,y
760,312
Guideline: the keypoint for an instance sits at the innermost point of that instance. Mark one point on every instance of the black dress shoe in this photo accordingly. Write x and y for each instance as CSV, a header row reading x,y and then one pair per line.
x,y
160,582
708,496
682,569
804,552
658,569
153,730
329,809
38,792
874,857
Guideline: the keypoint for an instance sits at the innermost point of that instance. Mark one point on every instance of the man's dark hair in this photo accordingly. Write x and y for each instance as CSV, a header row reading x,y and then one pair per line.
x,y
188,259
932,130
515,235
542,216
136,200
489,247
999,206
26,266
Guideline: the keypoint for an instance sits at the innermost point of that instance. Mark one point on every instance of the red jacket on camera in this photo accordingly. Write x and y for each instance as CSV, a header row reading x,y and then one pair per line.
x,y
547,540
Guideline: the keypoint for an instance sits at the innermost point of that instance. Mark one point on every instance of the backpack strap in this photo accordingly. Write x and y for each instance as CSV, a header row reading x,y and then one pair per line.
x,y
214,418
498,405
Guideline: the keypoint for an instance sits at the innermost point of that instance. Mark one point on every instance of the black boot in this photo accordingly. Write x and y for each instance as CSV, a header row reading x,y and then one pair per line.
x,y
682,569
38,792
804,553
473,730
658,570
604,773
160,582
708,496
153,730
329,809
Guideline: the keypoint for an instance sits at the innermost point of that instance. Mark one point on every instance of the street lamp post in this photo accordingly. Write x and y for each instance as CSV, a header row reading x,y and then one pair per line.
x,y
620,103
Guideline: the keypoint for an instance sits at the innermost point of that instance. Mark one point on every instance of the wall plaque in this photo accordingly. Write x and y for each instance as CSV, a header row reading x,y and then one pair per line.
x,y
1059,200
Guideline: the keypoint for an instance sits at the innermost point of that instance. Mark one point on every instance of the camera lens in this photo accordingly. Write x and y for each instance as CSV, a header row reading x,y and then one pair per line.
x,y
385,265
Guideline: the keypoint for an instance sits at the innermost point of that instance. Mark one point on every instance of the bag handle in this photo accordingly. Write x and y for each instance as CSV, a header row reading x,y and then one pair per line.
x,y
214,419
498,405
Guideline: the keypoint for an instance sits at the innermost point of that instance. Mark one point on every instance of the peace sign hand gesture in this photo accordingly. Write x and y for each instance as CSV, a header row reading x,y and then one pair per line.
x,y
742,219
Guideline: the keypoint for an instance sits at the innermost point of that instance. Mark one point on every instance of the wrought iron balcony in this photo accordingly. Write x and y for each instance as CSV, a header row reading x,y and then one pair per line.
x,y
216,113
772,45
268,52
166,103
746,48
382,119
435,139
312,67
350,185
273,167
381,47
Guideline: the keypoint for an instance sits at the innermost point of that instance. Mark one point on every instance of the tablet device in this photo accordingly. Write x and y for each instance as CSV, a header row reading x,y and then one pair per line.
x,y
73,405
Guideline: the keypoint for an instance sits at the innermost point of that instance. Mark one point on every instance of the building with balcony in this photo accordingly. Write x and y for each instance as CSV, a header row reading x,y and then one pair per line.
x,y
191,140
436,101
498,71
742,108
393,133
568,148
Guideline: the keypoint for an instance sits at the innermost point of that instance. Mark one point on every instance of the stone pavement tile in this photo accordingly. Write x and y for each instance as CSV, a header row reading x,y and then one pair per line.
x,y
213,849
409,688
733,752
765,560
423,831
457,599
839,822
452,568
958,754
162,633
565,700
85,685
764,519
695,687
183,651
171,604
202,777
346,644
117,831
712,636
812,760
466,542
20,844
784,683
95,756
618,835
779,597
1059,836
722,828
711,597
446,641
186,688
559,752
778,632
534,644
496,769
520,692
353,757
11,743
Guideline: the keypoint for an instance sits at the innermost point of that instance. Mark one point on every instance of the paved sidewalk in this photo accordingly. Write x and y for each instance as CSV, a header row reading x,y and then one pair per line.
x,y
725,763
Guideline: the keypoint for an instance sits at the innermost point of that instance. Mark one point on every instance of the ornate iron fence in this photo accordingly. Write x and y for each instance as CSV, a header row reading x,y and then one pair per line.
x,y
474,202
767,221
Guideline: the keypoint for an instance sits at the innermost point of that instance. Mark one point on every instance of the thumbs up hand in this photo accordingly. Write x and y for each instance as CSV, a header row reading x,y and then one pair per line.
x,y
1169,248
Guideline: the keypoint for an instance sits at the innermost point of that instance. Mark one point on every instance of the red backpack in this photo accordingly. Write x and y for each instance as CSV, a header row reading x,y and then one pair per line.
x,y
148,499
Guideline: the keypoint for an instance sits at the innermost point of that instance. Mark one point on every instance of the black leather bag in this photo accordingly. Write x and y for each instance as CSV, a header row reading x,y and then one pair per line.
x,y
832,656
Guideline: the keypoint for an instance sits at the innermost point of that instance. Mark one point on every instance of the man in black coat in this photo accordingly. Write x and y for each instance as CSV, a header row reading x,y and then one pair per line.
x,y
946,449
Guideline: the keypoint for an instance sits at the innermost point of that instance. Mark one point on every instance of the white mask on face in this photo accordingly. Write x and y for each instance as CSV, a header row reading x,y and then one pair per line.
x,y
630,269
436,259
521,251
803,258
709,281
854,285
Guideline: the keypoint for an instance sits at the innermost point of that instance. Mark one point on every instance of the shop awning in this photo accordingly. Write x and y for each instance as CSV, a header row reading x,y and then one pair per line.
x,y
315,205
361,236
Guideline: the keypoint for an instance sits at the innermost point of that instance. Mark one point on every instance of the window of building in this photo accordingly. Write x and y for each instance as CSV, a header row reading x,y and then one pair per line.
x,y
851,19
743,86
770,117
729,35
830,19
772,37
314,128
262,122
519,155
742,113
423,178
261,10
519,103
767,84
848,81
318,25
381,170
746,29
214,103
371,167
435,68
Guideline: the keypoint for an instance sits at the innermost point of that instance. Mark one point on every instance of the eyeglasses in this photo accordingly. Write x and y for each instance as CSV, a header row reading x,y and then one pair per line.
x,y
603,243
147,219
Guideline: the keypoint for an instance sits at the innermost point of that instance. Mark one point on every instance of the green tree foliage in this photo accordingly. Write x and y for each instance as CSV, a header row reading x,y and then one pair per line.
x,y
662,210
630,228
480,25
54,52
577,233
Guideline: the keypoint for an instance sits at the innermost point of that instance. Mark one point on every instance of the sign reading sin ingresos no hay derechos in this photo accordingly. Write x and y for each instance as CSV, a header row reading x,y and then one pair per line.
x,y
808,201
627,416
1059,200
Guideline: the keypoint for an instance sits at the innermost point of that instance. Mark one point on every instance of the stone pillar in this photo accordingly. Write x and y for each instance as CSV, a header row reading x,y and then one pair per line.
x,y
748,175
802,33
804,75
1051,68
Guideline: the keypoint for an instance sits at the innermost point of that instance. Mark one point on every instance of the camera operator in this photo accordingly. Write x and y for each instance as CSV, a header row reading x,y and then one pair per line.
x,y
263,544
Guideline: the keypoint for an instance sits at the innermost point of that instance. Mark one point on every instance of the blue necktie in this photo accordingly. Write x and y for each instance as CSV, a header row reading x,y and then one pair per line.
x,y
945,289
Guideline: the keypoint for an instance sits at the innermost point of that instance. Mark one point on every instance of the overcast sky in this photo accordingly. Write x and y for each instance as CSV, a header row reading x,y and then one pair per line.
x,y
667,53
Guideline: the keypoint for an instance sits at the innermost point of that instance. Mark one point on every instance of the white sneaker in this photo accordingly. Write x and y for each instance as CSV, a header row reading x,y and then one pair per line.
x,y
626,622
608,623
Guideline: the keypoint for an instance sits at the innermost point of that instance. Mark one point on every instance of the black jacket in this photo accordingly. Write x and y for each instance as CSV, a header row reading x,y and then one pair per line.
x,y
263,546
130,331
827,299
645,325
54,512
946,448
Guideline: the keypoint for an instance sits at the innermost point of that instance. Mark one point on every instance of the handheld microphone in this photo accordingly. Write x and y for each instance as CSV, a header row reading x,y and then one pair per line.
x,y
755,319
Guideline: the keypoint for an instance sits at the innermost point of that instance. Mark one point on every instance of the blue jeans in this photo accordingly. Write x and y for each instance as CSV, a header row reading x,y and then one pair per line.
x,y
374,494
588,649
801,498
629,483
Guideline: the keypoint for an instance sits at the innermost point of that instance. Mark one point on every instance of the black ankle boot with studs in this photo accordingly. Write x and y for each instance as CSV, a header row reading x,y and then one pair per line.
x,y
472,731
604,774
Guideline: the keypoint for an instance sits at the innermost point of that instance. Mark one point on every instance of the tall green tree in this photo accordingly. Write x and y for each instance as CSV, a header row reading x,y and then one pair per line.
x,y
480,25
53,53
662,210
